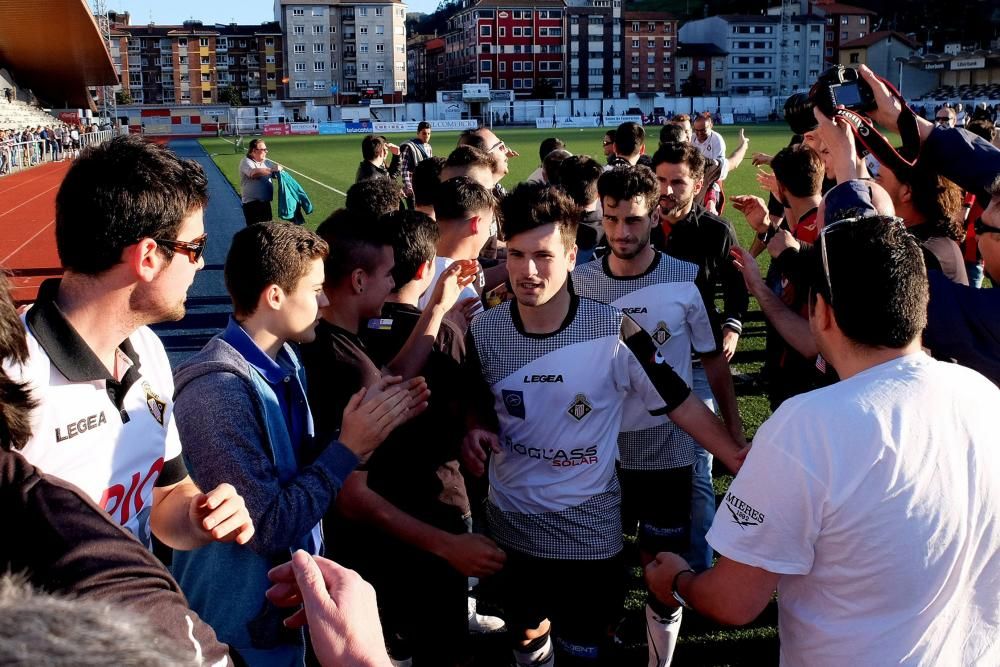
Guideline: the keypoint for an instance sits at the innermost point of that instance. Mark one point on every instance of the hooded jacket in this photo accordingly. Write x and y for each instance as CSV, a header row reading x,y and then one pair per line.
x,y
293,202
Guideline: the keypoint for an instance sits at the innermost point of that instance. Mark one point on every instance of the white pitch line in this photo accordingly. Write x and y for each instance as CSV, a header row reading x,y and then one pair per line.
x,y
328,187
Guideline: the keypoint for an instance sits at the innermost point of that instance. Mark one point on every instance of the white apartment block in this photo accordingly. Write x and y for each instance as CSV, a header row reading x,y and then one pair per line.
x,y
761,57
336,49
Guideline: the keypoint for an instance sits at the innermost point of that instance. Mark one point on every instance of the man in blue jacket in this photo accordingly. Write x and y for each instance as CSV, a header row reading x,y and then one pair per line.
x,y
241,408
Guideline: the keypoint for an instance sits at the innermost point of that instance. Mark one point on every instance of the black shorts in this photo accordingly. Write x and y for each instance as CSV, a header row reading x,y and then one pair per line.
x,y
656,505
257,211
582,598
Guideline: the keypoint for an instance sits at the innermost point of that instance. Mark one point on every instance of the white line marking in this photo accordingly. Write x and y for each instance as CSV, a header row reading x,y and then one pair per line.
x,y
3,262
328,187
31,199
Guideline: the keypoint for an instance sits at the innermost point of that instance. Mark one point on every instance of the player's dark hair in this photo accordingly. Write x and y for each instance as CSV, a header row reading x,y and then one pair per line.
x,y
533,205
423,125
460,197
982,127
627,182
552,165
549,145
678,153
934,196
371,145
16,402
799,169
672,133
119,193
426,179
373,198
610,134
270,253
470,138
469,156
355,243
867,252
629,138
578,177
414,236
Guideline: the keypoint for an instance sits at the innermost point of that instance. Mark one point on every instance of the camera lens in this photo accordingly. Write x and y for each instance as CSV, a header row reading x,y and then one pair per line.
x,y
799,113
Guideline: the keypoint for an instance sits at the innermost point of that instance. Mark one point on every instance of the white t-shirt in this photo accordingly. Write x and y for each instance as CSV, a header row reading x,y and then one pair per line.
x,y
537,176
878,500
713,148
441,264
116,456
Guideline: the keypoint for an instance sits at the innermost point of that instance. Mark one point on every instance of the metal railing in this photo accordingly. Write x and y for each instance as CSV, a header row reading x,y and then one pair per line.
x,y
20,155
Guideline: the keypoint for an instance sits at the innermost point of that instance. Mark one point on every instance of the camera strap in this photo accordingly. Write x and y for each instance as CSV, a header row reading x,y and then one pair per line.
x,y
876,143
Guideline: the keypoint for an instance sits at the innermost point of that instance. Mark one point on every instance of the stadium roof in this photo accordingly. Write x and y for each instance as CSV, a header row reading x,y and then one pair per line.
x,y
55,49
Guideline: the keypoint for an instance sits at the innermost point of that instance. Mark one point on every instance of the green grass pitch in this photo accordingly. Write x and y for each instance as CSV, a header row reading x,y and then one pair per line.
x,y
333,160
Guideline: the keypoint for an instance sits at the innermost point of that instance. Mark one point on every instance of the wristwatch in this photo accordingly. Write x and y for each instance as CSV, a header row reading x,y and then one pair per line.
x,y
675,593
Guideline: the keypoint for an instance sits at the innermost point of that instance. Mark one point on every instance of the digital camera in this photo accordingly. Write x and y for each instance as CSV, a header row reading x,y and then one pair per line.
x,y
836,86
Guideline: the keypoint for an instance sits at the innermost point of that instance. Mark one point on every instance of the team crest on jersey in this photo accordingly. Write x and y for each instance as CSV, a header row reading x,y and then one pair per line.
x,y
580,407
514,402
660,334
155,404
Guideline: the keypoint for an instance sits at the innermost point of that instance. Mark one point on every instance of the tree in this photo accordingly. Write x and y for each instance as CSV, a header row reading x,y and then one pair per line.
x,y
123,97
543,90
231,96
692,87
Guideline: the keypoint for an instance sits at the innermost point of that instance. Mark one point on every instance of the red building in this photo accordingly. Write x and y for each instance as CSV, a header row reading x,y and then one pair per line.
x,y
508,44
649,46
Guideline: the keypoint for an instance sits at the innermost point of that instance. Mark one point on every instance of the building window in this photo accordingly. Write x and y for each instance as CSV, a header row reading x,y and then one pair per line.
x,y
319,85
364,67
854,58
650,44
843,36
299,48
380,48
527,66
318,29
205,60
298,12
635,26
317,11
298,30
319,48
363,47
380,30
503,66
269,59
517,65
503,31
379,11
485,31
362,11
363,30
182,42
635,44
319,66
516,32
203,41
301,85
527,32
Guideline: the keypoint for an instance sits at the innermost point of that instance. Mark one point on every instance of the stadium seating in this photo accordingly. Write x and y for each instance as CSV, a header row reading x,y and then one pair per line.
x,y
19,115
980,91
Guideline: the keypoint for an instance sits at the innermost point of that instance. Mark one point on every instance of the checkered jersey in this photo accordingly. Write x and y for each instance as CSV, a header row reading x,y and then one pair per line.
x,y
559,400
666,303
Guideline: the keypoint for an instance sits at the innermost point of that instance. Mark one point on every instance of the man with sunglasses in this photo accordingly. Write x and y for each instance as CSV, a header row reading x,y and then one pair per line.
x,y
130,235
871,504
256,190
945,117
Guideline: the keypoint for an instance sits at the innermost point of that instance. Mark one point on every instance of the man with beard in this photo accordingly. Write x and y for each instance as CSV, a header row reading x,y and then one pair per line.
x,y
687,231
551,374
130,234
658,292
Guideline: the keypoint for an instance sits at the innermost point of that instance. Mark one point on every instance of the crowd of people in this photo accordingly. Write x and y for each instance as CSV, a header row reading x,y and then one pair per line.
x,y
459,384
29,146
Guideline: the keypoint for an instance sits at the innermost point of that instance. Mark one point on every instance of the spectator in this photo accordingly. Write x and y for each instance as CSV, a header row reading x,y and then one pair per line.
x,y
630,144
552,164
708,142
608,144
413,153
426,178
579,175
256,190
371,199
547,146
473,163
683,121
375,150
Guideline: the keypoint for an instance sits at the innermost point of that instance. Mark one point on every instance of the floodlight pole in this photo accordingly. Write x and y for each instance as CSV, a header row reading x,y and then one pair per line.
x,y
109,104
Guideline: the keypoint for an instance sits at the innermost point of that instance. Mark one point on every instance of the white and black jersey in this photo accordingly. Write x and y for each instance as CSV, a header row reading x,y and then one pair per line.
x,y
559,399
666,303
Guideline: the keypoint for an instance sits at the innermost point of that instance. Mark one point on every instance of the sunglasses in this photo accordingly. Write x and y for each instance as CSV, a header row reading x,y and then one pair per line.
x,y
834,226
942,119
193,249
983,228
498,145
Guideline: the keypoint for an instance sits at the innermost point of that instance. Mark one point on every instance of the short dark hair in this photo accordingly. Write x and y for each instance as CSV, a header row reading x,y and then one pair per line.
x,y
610,134
676,153
671,133
414,236
874,251
371,145
270,253
461,196
982,127
629,138
423,125
799,169
426,179
553,164
470,138
469,156
533,205
354,242
121,192
252,145
549,145
627,182
578,177
373,198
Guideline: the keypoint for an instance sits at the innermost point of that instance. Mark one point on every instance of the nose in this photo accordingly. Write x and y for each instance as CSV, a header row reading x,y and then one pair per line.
x,y
322,299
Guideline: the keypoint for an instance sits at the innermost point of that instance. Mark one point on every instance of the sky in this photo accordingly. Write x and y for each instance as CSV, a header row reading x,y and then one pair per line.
x,y
216,11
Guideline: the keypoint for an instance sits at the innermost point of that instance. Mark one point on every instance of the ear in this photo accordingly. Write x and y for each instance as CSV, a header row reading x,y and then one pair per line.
x,y
821,316
571,257
144,259
272,297
474,223
905,192
422,271
358,280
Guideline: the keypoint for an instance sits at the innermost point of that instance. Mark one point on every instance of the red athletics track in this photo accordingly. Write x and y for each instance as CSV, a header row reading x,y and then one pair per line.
x,y
27,227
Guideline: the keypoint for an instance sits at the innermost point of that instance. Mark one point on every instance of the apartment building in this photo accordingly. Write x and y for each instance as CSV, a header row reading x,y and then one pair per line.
x,y
594,56
764,55
192,62
344,52
508,44
649,48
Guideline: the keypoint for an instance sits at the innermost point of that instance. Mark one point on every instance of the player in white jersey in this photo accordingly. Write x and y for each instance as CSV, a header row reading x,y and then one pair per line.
x,y
655,461
552,373
130,235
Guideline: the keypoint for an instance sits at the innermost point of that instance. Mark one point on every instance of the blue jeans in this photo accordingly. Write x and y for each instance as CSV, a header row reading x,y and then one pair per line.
x,y
702,491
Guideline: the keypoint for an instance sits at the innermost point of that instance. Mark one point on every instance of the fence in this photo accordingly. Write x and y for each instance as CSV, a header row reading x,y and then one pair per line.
x,y
24,154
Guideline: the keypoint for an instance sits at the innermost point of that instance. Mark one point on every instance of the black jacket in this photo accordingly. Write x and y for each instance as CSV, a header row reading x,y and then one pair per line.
x,y
367,170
